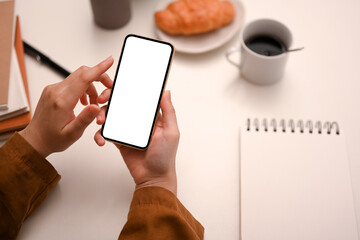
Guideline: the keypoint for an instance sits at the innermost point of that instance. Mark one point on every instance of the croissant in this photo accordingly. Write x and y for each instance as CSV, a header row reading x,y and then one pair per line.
x,y
189,17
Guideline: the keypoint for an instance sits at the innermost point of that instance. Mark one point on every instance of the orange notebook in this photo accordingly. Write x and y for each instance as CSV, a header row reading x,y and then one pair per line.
x,y
19,122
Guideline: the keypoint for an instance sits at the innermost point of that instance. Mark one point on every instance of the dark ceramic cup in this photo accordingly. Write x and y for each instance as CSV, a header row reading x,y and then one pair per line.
x,y
111,14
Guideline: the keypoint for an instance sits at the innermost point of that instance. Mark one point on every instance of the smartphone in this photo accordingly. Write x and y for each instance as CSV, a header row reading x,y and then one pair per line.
x,y
139,83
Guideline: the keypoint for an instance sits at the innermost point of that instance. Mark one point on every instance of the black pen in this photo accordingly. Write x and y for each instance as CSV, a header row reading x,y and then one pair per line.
x,y
44,59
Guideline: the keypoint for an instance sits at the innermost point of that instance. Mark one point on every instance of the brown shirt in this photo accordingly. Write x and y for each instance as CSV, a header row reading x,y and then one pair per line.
x,y
26,179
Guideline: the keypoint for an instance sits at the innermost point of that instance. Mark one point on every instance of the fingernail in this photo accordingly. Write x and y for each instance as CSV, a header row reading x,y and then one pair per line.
x,y
108,59
101,142
101,95
98,118
170,95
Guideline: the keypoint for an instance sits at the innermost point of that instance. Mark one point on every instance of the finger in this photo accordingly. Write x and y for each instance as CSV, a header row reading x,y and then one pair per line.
x,y
99,139
106,80
104,96
93,95
78,82
100,118
77,126
168,112
96,71
123,149
159,120
84,100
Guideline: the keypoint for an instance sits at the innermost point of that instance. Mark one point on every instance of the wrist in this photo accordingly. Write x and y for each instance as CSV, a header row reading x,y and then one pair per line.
x,y
35,141
169,183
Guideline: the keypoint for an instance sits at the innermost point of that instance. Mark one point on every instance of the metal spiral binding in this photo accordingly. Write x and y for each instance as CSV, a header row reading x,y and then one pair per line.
x,y
273,124
292,125
337,128
264,123
256,124
300,126
309,124
318,126
329,126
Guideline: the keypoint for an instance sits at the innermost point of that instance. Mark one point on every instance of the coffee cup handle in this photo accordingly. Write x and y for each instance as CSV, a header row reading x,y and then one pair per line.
x,y
229,52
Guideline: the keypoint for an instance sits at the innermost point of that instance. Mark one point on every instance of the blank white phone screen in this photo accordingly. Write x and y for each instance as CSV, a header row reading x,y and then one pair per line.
x,y
136,92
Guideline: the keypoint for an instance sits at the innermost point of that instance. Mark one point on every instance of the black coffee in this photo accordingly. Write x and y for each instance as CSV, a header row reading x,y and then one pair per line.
x,y
265,45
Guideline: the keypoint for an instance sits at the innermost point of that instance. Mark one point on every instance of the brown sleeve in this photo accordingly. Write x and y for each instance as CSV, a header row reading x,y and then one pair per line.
x,y
156,213
26,179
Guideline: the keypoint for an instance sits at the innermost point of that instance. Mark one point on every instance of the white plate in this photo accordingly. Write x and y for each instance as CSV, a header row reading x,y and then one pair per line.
x,y
206,41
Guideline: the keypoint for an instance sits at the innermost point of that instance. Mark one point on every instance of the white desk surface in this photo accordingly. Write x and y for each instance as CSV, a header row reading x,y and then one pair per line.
x,y
212,102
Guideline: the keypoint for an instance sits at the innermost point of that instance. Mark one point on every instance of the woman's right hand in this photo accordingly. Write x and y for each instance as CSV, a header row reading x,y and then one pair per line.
x,y
154,166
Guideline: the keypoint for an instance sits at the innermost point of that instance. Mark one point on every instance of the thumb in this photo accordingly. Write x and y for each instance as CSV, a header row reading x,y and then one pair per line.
x,y
78,125
168,111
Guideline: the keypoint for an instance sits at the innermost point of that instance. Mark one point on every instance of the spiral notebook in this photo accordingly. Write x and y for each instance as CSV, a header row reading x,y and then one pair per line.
x,y
295,182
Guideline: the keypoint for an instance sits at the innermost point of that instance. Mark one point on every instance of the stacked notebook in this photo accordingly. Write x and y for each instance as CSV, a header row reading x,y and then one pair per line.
x,y
17,103
6,39
15,107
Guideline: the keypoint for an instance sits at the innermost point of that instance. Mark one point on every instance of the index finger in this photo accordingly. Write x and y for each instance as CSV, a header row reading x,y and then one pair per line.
x,y
79,81
168,112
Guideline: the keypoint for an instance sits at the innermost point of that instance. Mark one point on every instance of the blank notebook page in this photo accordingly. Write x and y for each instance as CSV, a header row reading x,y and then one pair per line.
x,y
295,186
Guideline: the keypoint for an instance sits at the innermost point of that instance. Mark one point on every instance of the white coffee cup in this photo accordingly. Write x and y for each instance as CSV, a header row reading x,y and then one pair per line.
x,y
257,68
